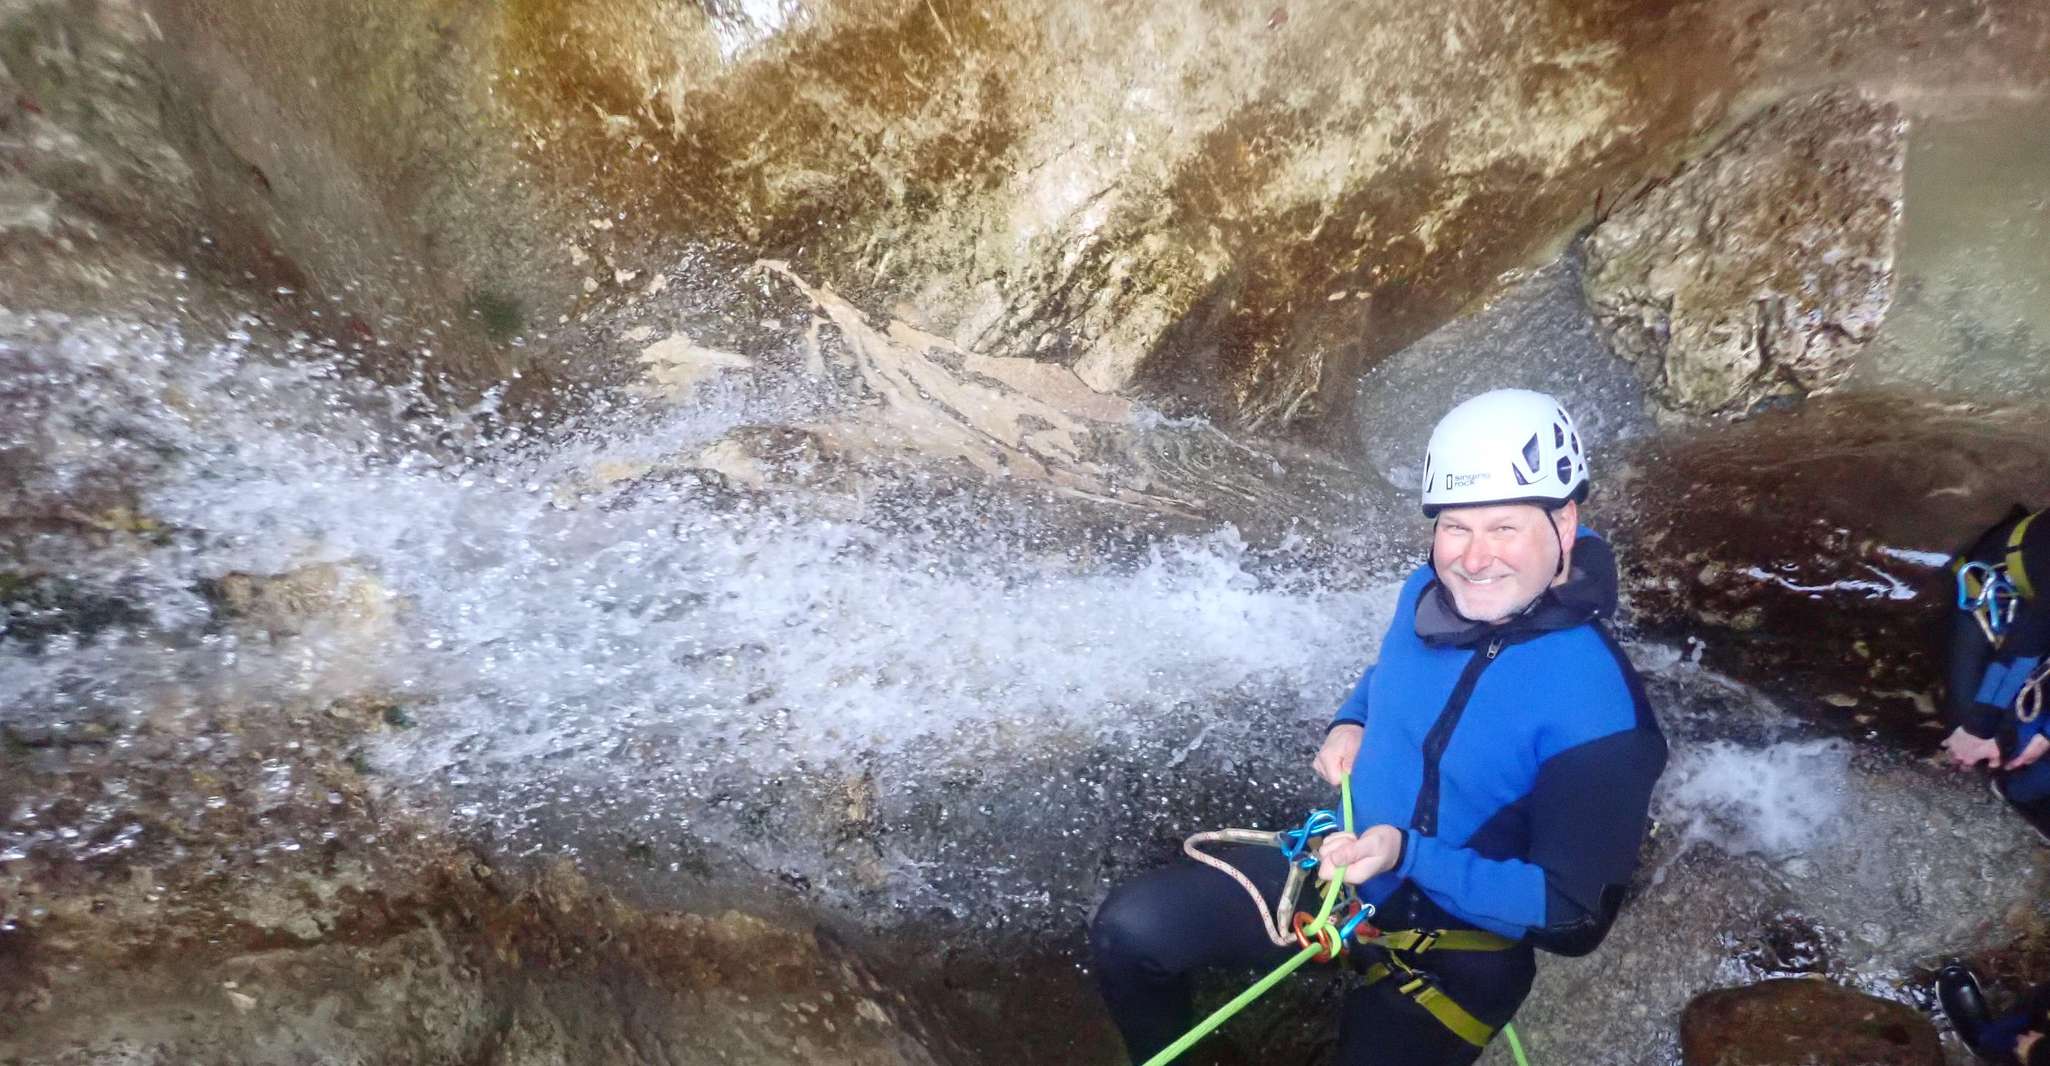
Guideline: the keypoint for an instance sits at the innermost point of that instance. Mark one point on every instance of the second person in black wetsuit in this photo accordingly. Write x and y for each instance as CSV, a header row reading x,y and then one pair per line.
x,y
1998,661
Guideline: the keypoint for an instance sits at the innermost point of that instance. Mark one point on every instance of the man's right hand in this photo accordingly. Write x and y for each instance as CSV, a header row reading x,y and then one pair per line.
x,y
1967,751
1341,746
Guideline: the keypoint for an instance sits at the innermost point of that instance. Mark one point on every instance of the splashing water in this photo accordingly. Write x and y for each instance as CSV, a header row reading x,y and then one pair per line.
x,y
554,629
1775,802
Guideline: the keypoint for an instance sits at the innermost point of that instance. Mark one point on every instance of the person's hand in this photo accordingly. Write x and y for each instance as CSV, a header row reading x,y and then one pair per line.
x,y
2024,1043
1341,746
1967,751
2034,750
1370,854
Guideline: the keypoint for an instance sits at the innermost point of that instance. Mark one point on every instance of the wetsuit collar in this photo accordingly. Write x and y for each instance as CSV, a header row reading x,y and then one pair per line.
x,y
1588,593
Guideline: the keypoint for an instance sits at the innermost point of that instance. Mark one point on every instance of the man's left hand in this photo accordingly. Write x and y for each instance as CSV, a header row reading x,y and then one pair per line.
x,y
2034,750
1968,750
1369,854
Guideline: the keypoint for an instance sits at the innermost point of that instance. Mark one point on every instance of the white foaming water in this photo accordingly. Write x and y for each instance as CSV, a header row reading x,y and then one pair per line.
x,y
548,624
1777,801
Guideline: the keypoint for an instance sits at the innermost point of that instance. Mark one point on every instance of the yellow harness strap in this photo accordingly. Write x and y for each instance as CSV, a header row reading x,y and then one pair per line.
x,y
2016,572
1420,988
1417,941
1425,994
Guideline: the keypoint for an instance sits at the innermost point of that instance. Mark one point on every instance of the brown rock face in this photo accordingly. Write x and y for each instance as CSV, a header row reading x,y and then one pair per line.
x,y
1804,1023
1238,208
307,918
1242,205
1762,269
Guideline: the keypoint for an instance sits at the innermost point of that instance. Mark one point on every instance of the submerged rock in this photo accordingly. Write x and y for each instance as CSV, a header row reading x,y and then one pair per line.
x,y
320,595
1760,270
1798,1022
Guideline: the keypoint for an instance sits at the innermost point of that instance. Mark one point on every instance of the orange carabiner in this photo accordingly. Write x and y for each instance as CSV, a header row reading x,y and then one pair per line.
x,y
1327,937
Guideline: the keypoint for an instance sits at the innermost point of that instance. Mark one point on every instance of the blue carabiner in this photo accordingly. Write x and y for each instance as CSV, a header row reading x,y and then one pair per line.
x,y
1981,574
1365,912
1996,599
1295,841
2006,599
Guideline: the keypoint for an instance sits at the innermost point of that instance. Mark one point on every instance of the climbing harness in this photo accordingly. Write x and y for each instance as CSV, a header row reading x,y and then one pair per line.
x,y
1323,938
1421,988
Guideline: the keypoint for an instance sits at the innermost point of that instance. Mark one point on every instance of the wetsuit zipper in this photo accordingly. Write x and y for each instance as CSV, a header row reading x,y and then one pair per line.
x,y
1425,819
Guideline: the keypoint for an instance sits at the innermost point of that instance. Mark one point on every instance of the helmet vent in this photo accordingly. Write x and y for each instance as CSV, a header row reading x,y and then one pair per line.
x,y
1565,469
1530,453
1558,435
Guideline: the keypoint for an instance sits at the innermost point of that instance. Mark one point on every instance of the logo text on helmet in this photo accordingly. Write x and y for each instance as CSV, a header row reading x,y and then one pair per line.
x,y
1460,481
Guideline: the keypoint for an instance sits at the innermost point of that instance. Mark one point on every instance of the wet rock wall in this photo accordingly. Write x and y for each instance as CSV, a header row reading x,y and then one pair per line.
x,y
244,890
1236,211
1231,214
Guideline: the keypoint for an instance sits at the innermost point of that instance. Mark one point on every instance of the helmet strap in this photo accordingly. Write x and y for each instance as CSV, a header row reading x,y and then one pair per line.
x,y
1565,545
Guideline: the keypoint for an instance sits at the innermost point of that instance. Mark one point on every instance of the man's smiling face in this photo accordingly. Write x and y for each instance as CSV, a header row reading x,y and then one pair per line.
x,y
1495,560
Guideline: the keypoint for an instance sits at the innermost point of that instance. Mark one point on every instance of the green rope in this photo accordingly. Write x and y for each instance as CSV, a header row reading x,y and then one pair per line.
x,y
1515,1045
1223,1014
1217,1018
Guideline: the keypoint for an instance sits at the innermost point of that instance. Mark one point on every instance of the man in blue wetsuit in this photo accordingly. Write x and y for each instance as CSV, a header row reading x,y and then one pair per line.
x,y
1502,757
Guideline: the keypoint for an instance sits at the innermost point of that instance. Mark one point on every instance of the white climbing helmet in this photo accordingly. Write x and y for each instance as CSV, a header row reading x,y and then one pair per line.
x,y
1505,446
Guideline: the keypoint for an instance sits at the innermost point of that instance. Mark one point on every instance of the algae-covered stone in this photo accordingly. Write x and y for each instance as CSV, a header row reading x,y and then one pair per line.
x,y
1800,1022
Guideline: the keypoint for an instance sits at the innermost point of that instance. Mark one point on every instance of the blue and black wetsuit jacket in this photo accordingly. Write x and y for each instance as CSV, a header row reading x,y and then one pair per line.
x,y
1519,759
1985,676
